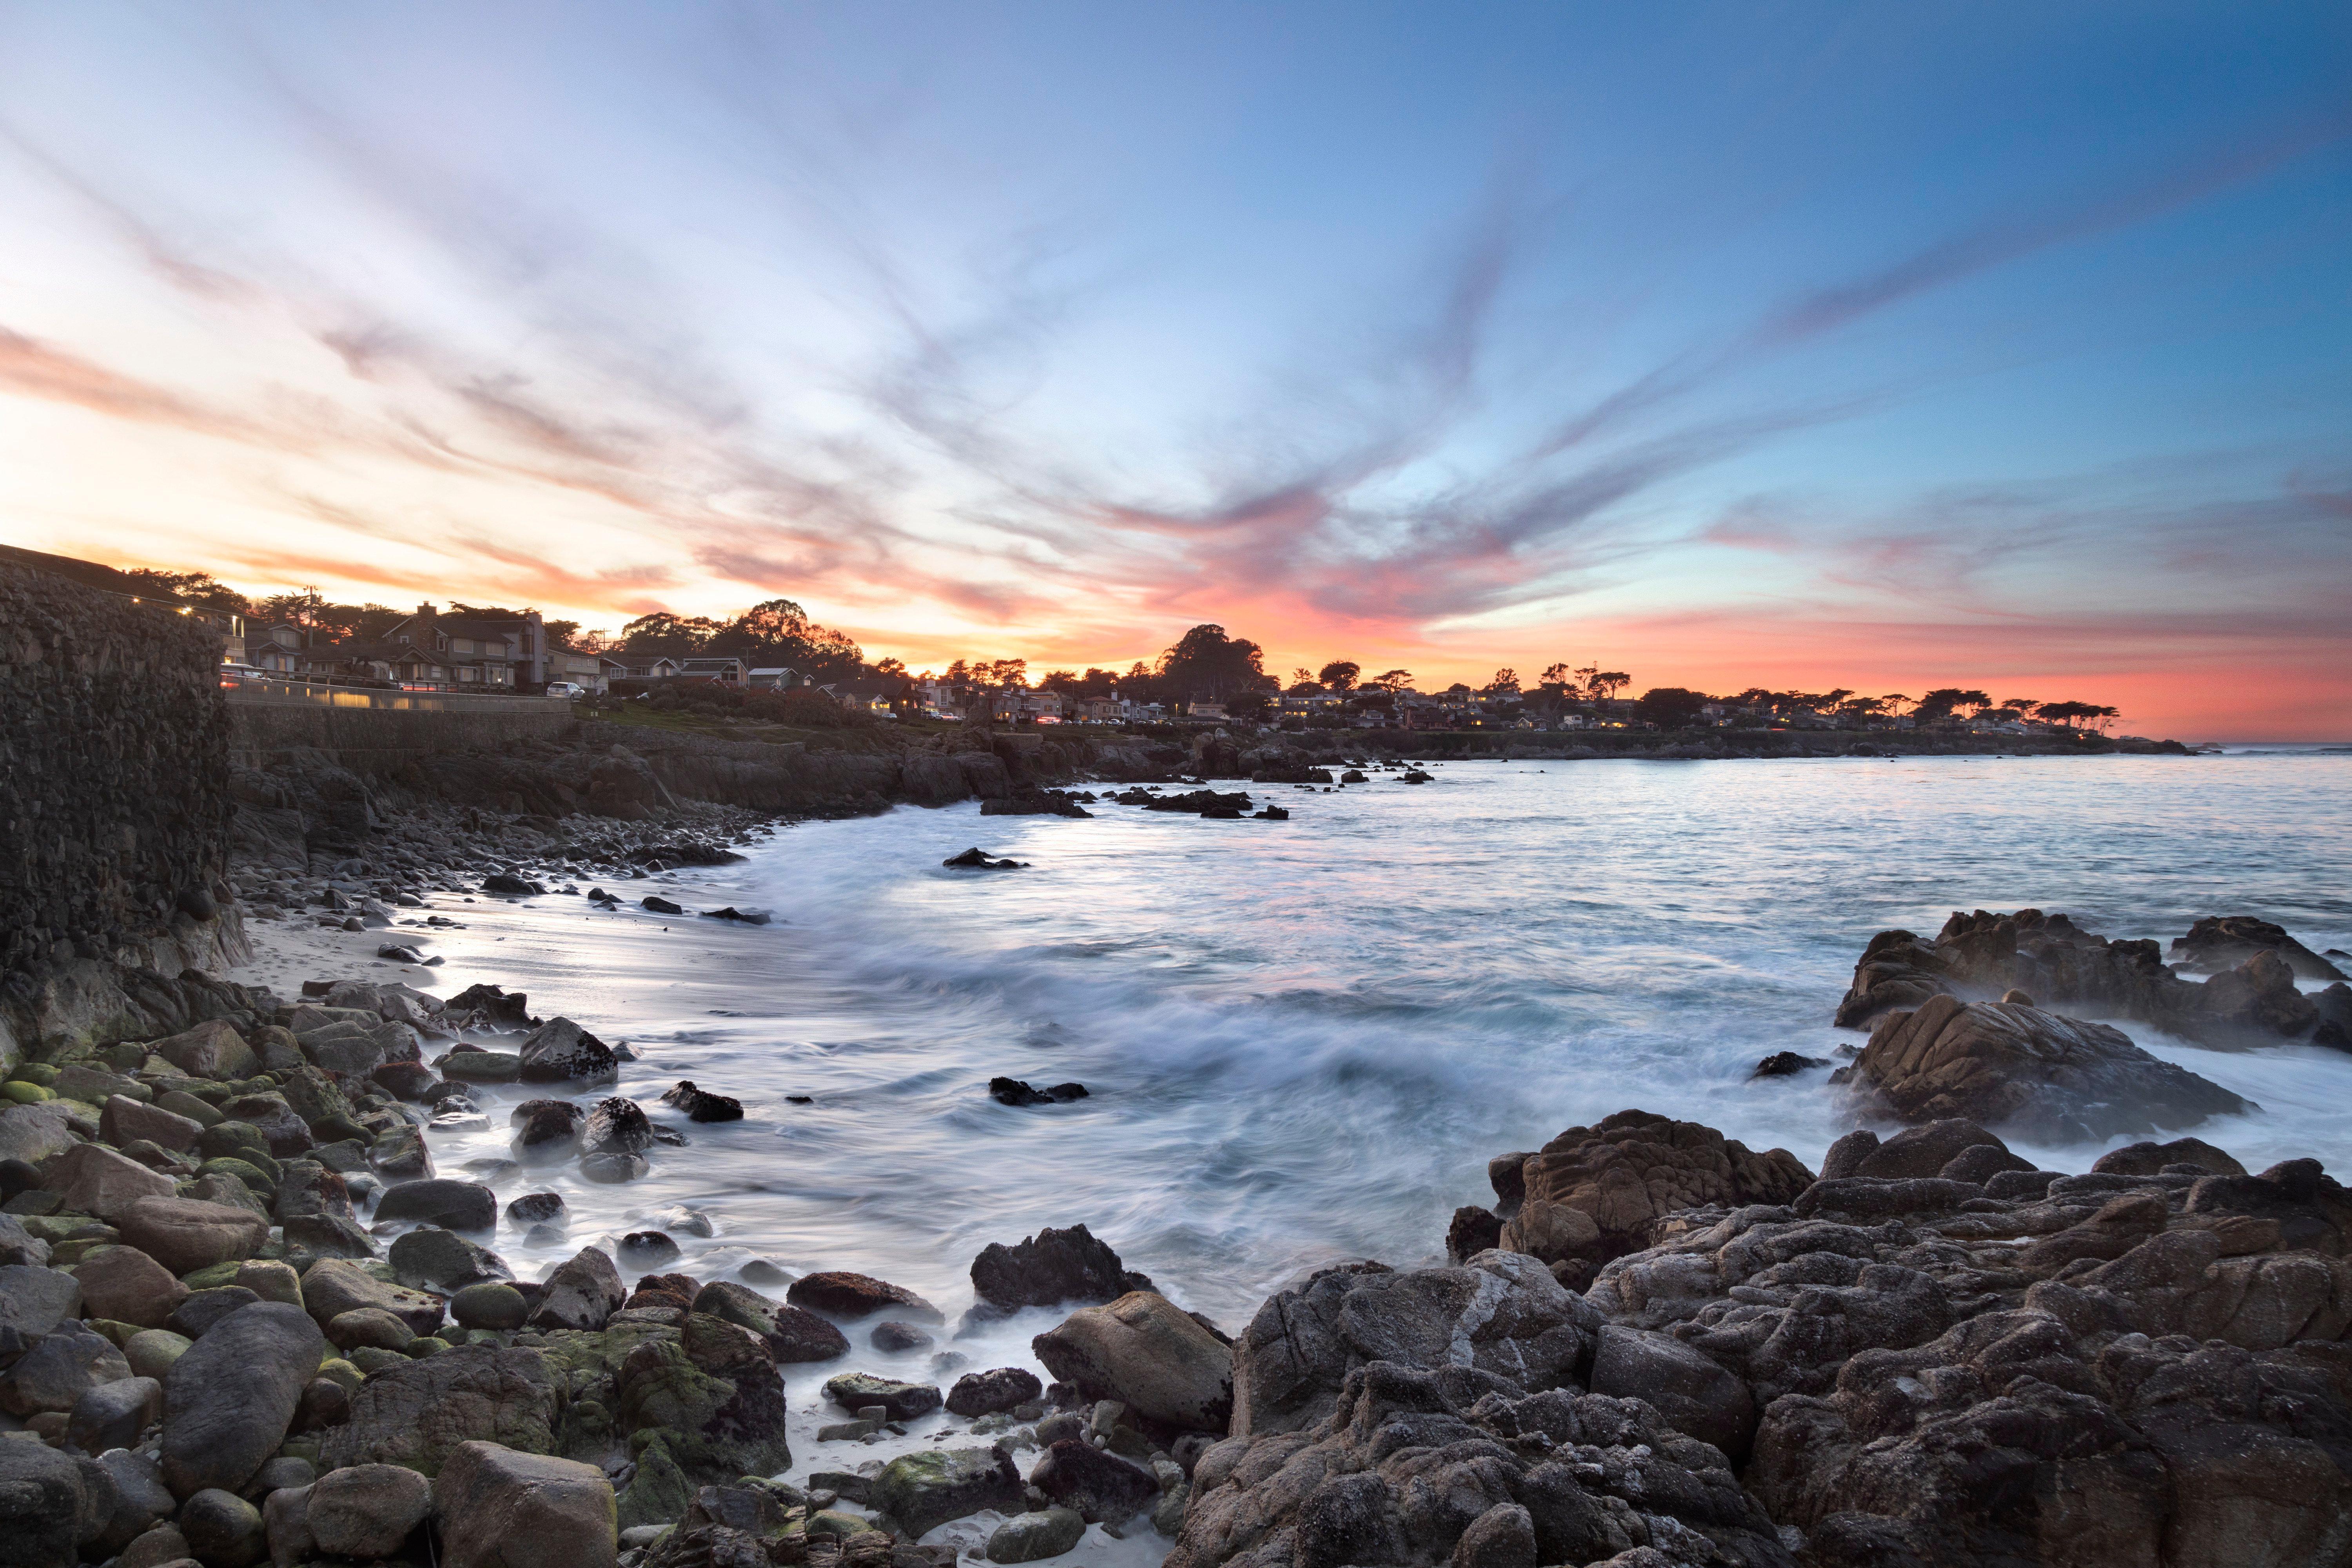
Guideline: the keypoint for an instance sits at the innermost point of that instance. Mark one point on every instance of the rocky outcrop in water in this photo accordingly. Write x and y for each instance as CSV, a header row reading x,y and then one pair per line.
x,y
2250,1000
2053,1079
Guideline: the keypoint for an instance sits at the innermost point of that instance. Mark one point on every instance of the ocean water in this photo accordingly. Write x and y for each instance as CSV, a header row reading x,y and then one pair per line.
x,y
1304,1040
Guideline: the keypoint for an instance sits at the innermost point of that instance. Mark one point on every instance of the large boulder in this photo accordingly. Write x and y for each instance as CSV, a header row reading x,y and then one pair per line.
x,y
500,1509
184,1234
124,1285
561,1051
1051,1268
367,1512
53,1376
34,1301
2224,941
1145,1352
333,1285
211,1049
123,1120
93,1179
440,1201
792,1334
924,1490
841,1294
1694,1394
228,1401
420,1413
2048,1078
1593,1192
1099,1487
36,1133
583,1293
714,1394
1502,1314
41,1507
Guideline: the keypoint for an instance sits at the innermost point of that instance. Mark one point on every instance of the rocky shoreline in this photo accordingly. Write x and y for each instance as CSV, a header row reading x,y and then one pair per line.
x,y
244,1316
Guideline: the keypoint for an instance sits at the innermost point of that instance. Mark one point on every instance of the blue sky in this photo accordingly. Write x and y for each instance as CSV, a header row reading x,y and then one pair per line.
x,y
1873,346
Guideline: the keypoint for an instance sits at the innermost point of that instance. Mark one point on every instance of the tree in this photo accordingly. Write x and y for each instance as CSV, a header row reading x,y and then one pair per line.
x,y
194,587
1556,675
2023,705
1941,702
891,669
1669,707
1247,704
1895,702
1206,665
664,635
1392,680
1505,684
1606,683
1340,675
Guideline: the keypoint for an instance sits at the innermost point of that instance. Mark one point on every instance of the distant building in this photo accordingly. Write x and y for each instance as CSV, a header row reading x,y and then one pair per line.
x,y
773,678
585,670
480,653
639,667
725,671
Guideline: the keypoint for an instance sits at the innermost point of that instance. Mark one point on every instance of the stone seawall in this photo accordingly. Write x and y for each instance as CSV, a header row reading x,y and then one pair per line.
x,y
114,809
375,743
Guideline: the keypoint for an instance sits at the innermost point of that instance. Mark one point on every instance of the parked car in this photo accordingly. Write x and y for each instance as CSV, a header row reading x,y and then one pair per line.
x,y
235,674
566,688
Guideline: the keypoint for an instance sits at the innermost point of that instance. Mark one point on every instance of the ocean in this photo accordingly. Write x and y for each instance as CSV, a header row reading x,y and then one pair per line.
x,y
1303,1040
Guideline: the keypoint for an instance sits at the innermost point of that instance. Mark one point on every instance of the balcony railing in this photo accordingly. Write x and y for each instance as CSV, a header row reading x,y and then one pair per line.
x,y
319,694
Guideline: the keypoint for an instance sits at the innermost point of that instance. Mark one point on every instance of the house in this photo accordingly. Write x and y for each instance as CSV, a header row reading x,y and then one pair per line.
x,y
585,670
1206,710
865,696
278,651
1101,710
725,671
638,667
480,652
773,678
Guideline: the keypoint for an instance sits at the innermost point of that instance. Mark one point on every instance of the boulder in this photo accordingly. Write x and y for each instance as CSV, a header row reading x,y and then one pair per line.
x,y
583,1293
228,1401
1593,1192
1146,1352
196,1315
333,1285
2224,941
547,1129
903,1401
113,1415
1000,1388
184,1234
841,1294
616,1126
41,1506
211,1049
793,1334
443,1262
440,1201
223,1530
367,1512
125,1120
700,1104
33,1301
714,1392
35,1133
1098,1485
124,1285
500,1509
490,1306
152,1351
1034,1537
52,1377
367,1327
93,1179
1051,1268
561,1051
418,1414
923,1492
141,1501
2049,1078
2150,1158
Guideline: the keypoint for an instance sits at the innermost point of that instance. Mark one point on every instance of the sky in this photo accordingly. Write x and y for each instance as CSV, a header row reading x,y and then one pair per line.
x,y
2003,346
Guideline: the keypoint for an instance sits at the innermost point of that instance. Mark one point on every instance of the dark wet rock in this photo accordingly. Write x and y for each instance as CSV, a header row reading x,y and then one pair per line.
x,y
223,1530
979,859
1504,1311
616,1126
1922,1151
611,1170
1051,1268
714,1392
440,1201
923,1492
489,1498
660,905
2224,941
1013,1091
509,886
42,1506
700,1105
1694,1394
443,1262
490,1004
644,1248
1472,1231
896,1338
1036,1536
229,1400
1593,1193
202,1309
333,1285
2154,1158
841,1294
561,1051
123,1285
742,917
986,1392
1099,1487
1786,1064
184,1234
494,1305
367,1512
536,1208
582,1293
2046,1077
855,1391
547,1129
51,1378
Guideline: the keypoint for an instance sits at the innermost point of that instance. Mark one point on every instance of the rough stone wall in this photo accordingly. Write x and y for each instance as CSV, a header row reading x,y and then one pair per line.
x,y
114,808
375,743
